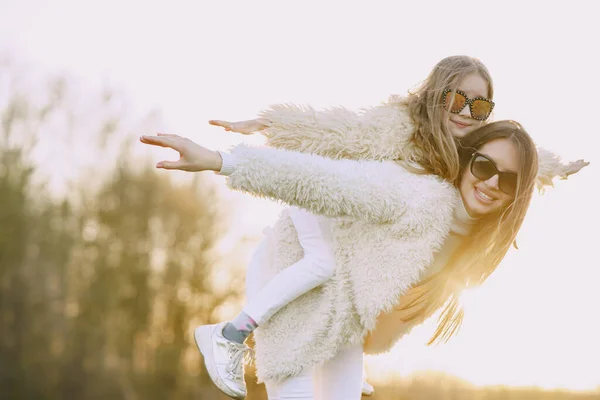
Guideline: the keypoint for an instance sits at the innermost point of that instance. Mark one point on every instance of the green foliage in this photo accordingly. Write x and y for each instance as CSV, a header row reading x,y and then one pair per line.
x,y
100,287
437,386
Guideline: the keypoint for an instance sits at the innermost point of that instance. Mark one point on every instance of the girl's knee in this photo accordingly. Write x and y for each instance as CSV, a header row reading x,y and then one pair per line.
x,y
322,264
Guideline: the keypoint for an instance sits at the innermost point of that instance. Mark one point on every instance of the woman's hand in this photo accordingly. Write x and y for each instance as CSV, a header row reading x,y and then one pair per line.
x,y
192,156
243,127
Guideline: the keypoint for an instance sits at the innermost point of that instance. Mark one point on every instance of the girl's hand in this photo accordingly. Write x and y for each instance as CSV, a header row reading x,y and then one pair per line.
x,y
243,127
574,167
192,156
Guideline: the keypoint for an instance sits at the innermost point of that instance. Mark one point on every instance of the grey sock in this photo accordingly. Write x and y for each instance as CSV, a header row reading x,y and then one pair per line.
x,y
239,328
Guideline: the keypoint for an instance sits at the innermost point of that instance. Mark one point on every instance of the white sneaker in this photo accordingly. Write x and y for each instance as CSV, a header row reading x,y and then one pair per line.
x,y
223,358
367,388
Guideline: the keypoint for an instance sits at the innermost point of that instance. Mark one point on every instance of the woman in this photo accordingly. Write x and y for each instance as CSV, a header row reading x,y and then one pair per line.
x,y
416,128
382,132
383,235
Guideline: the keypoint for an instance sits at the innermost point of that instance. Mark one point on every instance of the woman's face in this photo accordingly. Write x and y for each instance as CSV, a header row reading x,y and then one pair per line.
x,y
483,197
473,85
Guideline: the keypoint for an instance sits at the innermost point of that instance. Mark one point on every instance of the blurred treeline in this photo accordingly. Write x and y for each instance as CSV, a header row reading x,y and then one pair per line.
x,y
101,283
439,386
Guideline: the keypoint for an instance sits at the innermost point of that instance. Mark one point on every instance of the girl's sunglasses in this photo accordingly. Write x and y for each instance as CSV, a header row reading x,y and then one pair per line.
x,y
480,107
483,168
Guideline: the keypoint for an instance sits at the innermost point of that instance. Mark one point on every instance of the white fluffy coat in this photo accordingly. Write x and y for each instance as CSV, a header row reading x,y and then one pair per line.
x,y
386,224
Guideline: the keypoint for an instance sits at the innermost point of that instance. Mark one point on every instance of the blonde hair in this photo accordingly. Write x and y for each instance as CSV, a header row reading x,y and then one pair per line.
x,y
485,247
435,148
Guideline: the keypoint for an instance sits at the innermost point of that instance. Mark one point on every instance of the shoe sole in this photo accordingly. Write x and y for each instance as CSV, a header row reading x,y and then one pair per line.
x,y
367,392
203,339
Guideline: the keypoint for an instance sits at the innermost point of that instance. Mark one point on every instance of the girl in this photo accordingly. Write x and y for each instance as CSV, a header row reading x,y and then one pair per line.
x,y
383,237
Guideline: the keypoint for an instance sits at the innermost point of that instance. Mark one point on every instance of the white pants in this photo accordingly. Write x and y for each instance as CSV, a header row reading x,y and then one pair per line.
x,y
316,267
338,379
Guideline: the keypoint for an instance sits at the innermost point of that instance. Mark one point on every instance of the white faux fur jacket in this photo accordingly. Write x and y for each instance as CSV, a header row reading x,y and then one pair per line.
x,y
386,225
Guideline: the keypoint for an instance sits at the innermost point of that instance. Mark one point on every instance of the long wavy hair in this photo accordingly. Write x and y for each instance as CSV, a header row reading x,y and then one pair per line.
x,y
434,146
487,244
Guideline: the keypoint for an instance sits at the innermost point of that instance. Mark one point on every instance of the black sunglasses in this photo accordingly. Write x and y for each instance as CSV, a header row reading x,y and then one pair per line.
x,y
480,107
483,168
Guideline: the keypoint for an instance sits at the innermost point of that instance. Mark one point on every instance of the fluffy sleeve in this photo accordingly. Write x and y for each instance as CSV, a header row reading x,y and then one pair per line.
x,y
376,133
550,166
366,190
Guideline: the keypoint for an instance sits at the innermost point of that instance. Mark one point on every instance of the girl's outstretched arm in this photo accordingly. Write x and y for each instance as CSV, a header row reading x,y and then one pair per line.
x,y
376,133
550,166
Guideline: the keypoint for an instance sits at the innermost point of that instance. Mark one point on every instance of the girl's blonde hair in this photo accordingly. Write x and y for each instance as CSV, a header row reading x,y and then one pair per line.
x,y
435,149
487,244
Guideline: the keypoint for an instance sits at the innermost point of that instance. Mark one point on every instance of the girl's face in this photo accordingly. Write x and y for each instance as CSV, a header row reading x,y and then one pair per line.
x,y
482,197
473,85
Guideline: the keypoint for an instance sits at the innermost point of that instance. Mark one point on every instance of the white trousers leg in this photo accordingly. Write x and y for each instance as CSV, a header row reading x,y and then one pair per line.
x,y
299,387
256,274
316,267
341,377
338,379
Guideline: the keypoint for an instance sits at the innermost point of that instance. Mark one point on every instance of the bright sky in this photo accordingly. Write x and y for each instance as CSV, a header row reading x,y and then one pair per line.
x,y
536,321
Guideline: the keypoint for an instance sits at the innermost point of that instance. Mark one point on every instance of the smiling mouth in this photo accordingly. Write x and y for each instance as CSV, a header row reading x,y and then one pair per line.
x,y
484,197
460,124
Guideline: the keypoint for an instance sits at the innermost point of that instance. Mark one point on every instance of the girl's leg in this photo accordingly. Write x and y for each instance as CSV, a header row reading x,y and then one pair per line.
x,y
341,377
222,344
299,387
255,273
316,267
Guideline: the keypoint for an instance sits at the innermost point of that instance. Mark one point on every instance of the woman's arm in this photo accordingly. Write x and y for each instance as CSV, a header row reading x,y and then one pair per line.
x,y
367,190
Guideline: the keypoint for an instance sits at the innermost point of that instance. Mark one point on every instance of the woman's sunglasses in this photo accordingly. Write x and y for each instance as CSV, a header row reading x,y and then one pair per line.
x,y
480,107
483,168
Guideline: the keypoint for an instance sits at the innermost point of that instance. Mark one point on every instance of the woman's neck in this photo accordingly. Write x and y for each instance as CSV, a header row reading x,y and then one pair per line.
x,y
462,222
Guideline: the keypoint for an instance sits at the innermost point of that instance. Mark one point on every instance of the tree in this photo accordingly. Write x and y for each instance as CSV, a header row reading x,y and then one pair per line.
x,y
100,283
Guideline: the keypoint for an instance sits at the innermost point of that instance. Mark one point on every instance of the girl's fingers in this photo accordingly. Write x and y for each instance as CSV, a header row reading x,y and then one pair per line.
x,y
222,124
576,166
168,135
